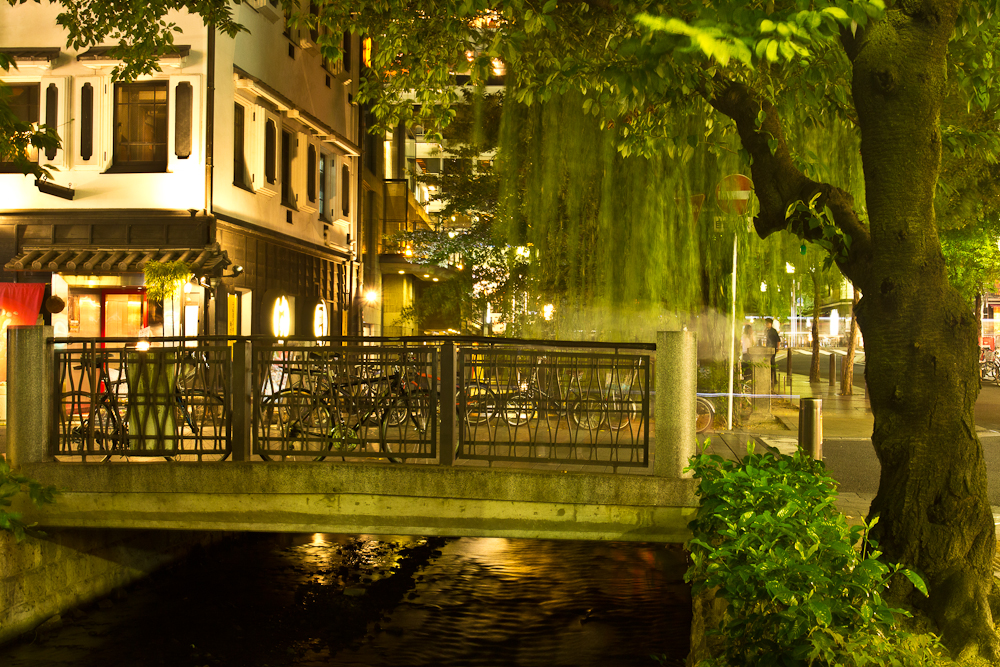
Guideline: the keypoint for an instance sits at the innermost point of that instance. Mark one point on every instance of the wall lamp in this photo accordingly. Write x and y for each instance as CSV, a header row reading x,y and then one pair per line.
x,y
237,270
50,188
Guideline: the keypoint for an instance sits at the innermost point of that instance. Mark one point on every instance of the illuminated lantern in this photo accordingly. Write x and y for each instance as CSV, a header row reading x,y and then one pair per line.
x,y
321,324
281,318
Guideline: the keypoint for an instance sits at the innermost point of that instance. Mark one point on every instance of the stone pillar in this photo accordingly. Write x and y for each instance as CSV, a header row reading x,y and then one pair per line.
x,y
30,400
676,384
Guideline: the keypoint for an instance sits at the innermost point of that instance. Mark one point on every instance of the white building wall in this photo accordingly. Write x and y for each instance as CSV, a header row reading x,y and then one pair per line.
x,y
181,187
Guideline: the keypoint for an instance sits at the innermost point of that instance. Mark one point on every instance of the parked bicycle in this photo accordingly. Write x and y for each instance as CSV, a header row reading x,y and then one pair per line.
x,y
989,364
99,421
336,416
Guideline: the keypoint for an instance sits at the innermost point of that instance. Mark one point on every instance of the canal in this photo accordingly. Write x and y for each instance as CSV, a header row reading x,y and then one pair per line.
x,y
317,600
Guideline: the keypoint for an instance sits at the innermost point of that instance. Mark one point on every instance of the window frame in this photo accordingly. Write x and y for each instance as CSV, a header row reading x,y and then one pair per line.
x,y
120,165
10,167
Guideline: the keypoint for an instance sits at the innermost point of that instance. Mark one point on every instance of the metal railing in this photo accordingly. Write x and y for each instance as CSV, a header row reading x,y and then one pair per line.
x,y
413,399
113,399
554,405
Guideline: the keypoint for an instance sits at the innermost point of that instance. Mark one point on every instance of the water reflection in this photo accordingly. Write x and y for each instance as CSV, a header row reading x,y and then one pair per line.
x,y
314,600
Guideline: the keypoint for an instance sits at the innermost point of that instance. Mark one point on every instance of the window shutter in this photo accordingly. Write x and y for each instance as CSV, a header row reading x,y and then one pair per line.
x,y
270,151
86,121
311,173
183,112
51,115
345,190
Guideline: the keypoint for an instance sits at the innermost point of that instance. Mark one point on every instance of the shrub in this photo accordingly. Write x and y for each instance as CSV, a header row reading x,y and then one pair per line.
x,y
771,543
11,484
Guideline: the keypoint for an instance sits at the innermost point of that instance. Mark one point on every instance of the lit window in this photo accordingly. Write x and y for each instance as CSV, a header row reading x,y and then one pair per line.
x,y
23,103
141,126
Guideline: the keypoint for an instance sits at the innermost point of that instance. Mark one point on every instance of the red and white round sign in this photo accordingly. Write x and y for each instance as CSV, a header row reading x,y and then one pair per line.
x,y
733,193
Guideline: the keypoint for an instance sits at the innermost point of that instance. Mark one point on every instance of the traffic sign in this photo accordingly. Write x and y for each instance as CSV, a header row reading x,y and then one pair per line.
x,y
733,193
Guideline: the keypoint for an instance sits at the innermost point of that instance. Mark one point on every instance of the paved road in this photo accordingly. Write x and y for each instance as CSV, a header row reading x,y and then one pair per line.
x,y
854,465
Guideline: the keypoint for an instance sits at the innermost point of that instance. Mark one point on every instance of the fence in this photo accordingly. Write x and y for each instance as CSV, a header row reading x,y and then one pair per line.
x,y
419,400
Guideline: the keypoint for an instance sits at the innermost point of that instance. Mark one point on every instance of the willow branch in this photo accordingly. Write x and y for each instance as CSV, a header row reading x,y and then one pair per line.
x,y
778,183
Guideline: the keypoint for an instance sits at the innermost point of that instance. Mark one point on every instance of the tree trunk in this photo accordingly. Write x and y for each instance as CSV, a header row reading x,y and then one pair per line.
x,y
920,338
847,376
814,366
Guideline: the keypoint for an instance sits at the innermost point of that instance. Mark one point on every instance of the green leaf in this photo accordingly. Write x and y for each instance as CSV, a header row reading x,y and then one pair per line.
x,y
916,580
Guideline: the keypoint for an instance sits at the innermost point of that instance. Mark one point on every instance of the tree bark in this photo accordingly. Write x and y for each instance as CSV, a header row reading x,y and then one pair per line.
x,y
847,376
920,338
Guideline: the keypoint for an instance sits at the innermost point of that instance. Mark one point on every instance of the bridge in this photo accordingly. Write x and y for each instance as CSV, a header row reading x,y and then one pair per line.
x,y
531,439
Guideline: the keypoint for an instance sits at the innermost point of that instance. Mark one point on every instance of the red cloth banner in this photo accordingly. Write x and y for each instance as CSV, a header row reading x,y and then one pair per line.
x,y
20,302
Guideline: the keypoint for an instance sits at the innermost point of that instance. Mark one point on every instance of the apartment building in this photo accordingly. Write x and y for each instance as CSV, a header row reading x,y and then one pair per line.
x,y
240,157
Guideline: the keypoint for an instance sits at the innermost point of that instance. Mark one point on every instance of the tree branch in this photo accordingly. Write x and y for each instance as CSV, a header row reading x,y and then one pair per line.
x,y
778,183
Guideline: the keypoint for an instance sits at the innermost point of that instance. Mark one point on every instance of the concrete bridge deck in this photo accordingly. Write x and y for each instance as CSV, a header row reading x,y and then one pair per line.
x,y
366,498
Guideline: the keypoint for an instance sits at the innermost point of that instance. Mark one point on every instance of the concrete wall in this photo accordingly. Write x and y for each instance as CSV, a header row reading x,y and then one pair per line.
x,y
42,577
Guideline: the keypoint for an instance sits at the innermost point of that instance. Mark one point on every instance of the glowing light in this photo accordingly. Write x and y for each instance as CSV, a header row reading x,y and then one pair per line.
x,y
451,235
402,272
461,266
763,287
409,251
427,275
435,280
547,311
371,296
281,318
142,345
789,268
321,323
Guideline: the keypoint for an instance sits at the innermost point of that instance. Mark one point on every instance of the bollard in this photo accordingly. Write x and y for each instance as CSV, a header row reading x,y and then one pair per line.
x,y
788,369
811,427
833,368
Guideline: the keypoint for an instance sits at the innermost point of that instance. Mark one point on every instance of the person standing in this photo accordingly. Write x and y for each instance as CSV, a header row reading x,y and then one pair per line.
x,y
773,341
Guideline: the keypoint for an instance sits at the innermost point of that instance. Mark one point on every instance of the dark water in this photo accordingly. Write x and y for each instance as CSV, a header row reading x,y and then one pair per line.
x,y
312,600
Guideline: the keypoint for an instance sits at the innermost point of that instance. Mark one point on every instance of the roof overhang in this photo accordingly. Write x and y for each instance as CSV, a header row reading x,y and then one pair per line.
x,y
98,57
75,260
37,58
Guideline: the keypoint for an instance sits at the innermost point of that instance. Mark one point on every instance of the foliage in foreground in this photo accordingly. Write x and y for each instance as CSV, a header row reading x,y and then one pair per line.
x,y
769,538
11,484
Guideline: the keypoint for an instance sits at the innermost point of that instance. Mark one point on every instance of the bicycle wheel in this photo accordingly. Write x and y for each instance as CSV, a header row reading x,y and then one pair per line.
x,y
586,413
480,403
201,417
296,426
518,408
75,419
743,406
620,411
704,414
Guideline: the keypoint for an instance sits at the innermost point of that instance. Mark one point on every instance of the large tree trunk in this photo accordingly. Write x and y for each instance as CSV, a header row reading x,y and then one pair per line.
x,y
847,375
920,338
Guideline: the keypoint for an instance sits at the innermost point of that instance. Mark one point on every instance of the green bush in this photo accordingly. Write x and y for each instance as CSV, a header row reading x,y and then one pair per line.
x,y
11,484
771,543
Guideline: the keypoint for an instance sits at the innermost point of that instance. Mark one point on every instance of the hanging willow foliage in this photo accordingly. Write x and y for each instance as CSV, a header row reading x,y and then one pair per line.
x,y
164,278
626,246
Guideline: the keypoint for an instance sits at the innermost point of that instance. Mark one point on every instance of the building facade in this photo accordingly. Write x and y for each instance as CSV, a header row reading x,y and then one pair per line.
x,y
240,158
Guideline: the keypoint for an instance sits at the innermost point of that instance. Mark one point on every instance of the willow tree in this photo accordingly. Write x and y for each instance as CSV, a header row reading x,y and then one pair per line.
x,y
640,66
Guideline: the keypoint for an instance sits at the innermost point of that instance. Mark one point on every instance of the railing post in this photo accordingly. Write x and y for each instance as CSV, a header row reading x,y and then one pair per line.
x,y
788,368
676,385
448,401
241,429
30,382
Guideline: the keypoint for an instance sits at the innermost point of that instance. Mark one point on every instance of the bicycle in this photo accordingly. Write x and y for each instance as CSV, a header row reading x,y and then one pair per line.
x,y
989,364
611,405
302,418
104,417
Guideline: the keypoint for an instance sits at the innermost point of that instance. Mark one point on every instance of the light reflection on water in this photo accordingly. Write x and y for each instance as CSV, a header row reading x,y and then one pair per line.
x,y
490,601
319,600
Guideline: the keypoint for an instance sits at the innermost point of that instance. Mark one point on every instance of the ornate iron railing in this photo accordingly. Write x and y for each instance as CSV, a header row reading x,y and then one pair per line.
x,y
555,406
115,400
349,402
420,400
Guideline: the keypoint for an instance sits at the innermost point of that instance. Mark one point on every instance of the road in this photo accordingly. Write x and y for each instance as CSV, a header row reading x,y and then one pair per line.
x,y
853,462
